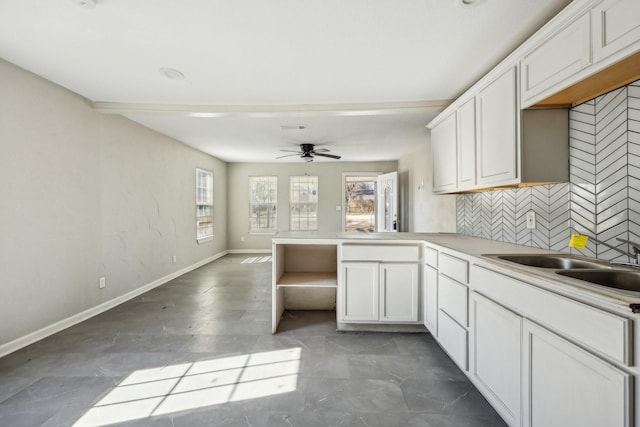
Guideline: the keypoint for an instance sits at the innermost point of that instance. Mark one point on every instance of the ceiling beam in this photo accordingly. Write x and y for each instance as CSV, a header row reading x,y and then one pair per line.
x,y
302,110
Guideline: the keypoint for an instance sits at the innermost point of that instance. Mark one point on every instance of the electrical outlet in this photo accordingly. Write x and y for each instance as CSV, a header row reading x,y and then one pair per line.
x,y
242,238
531,220
338,207
102,283
174,259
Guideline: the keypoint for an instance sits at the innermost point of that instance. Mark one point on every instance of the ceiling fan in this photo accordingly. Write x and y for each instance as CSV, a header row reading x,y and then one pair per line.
x,y
307,152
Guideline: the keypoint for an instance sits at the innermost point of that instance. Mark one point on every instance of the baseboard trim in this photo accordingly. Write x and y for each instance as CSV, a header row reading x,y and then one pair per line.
x,y
33,337
249,251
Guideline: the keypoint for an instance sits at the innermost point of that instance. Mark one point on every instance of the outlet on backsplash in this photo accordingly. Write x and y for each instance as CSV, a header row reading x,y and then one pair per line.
x,y
531,220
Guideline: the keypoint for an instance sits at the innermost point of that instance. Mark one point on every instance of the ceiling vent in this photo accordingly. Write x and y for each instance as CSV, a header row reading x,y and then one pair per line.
x,y
292,127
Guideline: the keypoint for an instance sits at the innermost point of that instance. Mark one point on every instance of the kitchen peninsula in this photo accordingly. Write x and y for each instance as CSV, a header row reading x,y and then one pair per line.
x,y
520,333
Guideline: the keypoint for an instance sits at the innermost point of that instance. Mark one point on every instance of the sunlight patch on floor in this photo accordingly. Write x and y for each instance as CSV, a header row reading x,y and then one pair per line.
x,y
256,259
158,391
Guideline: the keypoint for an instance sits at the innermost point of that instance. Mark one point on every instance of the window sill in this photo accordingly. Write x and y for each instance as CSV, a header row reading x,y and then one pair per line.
x,y
204,239
262,233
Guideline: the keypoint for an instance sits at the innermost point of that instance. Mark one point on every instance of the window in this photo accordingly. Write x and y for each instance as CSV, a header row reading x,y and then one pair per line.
x,y
360,203
303,201
204,204
263,198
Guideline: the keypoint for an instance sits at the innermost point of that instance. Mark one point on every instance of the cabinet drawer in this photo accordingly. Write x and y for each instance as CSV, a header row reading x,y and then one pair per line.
x,y
431,257
453,338
453,298
380,253
603,332
455,268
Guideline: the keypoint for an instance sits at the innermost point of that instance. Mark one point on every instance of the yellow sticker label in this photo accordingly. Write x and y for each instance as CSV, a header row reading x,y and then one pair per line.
x,y
578,241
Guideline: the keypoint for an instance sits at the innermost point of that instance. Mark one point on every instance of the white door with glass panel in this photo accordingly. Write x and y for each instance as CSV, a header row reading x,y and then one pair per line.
x,y
387,201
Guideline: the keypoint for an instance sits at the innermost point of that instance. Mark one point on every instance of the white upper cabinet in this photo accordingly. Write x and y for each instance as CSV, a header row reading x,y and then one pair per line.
x,y
443,149
616,26
555,60
497,131
591,47
466,116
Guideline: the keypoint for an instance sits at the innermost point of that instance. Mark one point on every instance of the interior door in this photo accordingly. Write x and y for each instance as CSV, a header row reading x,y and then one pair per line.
x,y
387,202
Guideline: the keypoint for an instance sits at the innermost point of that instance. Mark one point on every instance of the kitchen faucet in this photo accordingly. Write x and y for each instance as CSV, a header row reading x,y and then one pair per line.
x,y
635,255
636,251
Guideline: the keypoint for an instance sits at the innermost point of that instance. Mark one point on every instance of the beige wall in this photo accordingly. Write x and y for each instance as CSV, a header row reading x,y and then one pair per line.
x,y
329,195
85,195
424,211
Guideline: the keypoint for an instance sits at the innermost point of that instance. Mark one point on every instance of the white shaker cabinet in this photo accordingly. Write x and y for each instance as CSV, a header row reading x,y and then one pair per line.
x,y
495,358
398,292
379,292
430,290
466,126
566,386
453,306
556,60
430,299
615,27
497,141
443,151
379,284
360,296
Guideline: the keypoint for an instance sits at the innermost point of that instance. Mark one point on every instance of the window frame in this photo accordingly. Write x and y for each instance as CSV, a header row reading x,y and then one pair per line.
x,y
298,203
272,182
204,203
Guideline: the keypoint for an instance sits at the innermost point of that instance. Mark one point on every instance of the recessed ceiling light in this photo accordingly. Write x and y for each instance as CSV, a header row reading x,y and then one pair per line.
x,y
172,73
89,4
469,3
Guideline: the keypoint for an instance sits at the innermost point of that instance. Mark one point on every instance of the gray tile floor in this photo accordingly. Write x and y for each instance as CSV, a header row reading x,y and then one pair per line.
x,y
198,351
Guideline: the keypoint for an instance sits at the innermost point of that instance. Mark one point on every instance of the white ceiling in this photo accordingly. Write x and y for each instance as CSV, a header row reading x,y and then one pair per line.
x,y
362,76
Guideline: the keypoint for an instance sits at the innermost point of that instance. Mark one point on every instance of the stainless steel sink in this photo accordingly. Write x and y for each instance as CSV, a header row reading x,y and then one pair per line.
x,y
620,279
558,262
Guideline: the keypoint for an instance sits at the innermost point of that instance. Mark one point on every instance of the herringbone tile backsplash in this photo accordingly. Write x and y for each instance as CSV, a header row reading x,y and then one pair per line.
x,y
602,199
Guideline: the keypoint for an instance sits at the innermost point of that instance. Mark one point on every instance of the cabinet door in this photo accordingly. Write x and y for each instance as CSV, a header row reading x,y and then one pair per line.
x,y
398,292
615,26
430,299
557,59
566,386
443,151
497,131
467,145
495,358
359,291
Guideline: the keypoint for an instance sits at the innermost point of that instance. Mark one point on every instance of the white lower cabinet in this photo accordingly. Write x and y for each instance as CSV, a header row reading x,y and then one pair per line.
x,y
430,299
454,339
567,386
495,356
379,292
398,292
360,294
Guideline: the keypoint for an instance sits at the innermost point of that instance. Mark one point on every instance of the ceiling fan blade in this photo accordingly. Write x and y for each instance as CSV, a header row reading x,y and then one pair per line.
x,y
333,156
292,151
321,150
288,155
